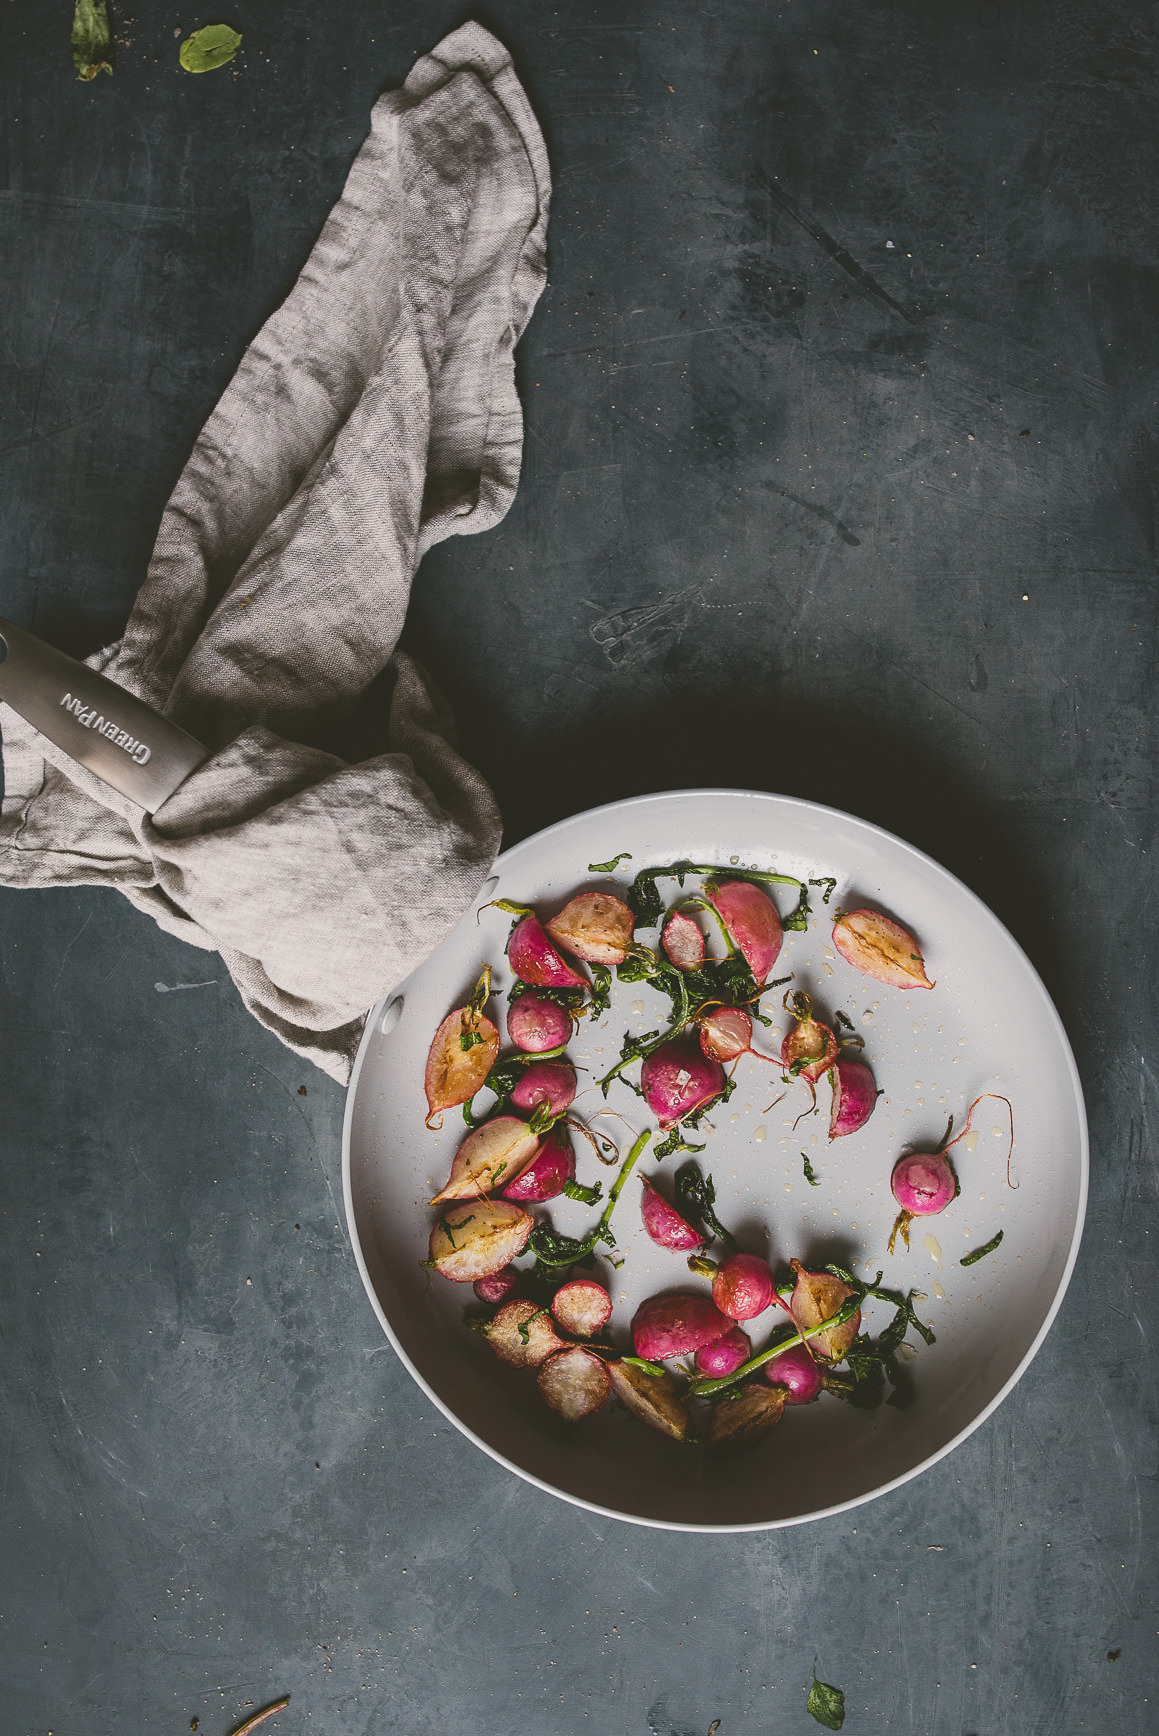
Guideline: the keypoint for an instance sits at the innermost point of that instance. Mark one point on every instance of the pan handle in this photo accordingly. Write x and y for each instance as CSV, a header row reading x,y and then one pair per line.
x,y
121,740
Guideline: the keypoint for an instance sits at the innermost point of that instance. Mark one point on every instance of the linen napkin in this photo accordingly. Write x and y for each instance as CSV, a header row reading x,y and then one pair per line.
x,y
335,835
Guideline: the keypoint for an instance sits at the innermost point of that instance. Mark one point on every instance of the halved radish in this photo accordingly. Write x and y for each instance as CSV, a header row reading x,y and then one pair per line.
x,y
574,1383
595,927
654,1398
522,1335
478,1238
582,1307
491,1156
744,1414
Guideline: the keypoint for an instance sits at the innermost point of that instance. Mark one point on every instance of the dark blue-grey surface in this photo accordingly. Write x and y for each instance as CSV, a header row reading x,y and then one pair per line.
x,y
840,480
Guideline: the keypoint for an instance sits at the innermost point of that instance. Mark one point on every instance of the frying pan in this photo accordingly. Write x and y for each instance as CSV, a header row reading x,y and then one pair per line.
x,y
119,738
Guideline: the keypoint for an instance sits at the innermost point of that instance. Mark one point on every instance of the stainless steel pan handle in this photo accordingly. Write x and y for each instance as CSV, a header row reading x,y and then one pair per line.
x,y
123,741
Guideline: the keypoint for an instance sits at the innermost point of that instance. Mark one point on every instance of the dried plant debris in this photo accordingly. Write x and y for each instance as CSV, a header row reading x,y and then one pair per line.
x,y
91,41
208,48
826,1704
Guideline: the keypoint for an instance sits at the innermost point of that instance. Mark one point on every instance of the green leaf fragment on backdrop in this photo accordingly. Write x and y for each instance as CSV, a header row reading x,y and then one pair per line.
x,y
826,1704
90,39
210,47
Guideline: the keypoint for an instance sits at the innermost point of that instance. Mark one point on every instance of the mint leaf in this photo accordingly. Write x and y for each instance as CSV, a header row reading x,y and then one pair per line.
x,y
209,48
826,1704
90,39
610,867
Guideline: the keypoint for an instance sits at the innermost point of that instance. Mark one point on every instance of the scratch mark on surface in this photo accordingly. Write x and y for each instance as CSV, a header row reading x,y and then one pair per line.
x,y
822,512
631,637
946,700
838,254
174,988
67,950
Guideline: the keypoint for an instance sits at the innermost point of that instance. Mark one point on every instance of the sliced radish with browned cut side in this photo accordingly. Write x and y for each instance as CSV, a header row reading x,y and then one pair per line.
x,y
574,1383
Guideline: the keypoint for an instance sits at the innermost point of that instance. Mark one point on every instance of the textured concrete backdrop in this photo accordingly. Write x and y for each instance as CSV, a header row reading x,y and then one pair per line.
x,y
840,480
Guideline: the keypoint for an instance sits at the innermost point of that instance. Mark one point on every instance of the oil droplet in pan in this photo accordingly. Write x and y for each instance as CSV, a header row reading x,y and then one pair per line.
x,y
760,1134
932,1246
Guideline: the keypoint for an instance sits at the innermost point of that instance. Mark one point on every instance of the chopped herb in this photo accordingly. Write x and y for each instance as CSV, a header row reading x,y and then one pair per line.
x,y
980,1253
553,1249
468,1039
571,1000
826,1704
842,1022
695,1198
601,996
830,882
643,1364
610,867
512,909
675,1142
525,1325
575,1190
542,1118
810,1176
209,48
90,39
648,907
705,1388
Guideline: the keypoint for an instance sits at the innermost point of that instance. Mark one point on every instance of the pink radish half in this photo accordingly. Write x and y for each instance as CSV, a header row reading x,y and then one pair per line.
x,y
752,921
582,1307
683,941
882,948
534,960
664,1223
854,1095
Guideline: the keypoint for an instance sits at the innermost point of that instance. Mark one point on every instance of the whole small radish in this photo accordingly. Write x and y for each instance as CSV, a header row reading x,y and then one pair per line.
x,y
724,1354
675,1324
743,1287
797,1371
535,960
536,1024
678,1078
550,1084
549,1171
925,1182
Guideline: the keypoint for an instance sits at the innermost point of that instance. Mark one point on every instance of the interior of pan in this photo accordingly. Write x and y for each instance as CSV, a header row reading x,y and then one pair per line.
x,y
988,1026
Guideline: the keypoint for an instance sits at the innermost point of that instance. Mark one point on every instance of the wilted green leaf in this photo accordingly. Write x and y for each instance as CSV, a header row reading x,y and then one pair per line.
x,y
90,38
210,47
826,1704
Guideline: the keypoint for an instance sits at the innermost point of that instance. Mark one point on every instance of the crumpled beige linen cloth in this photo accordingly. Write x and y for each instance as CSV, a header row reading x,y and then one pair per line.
x,y
373,415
